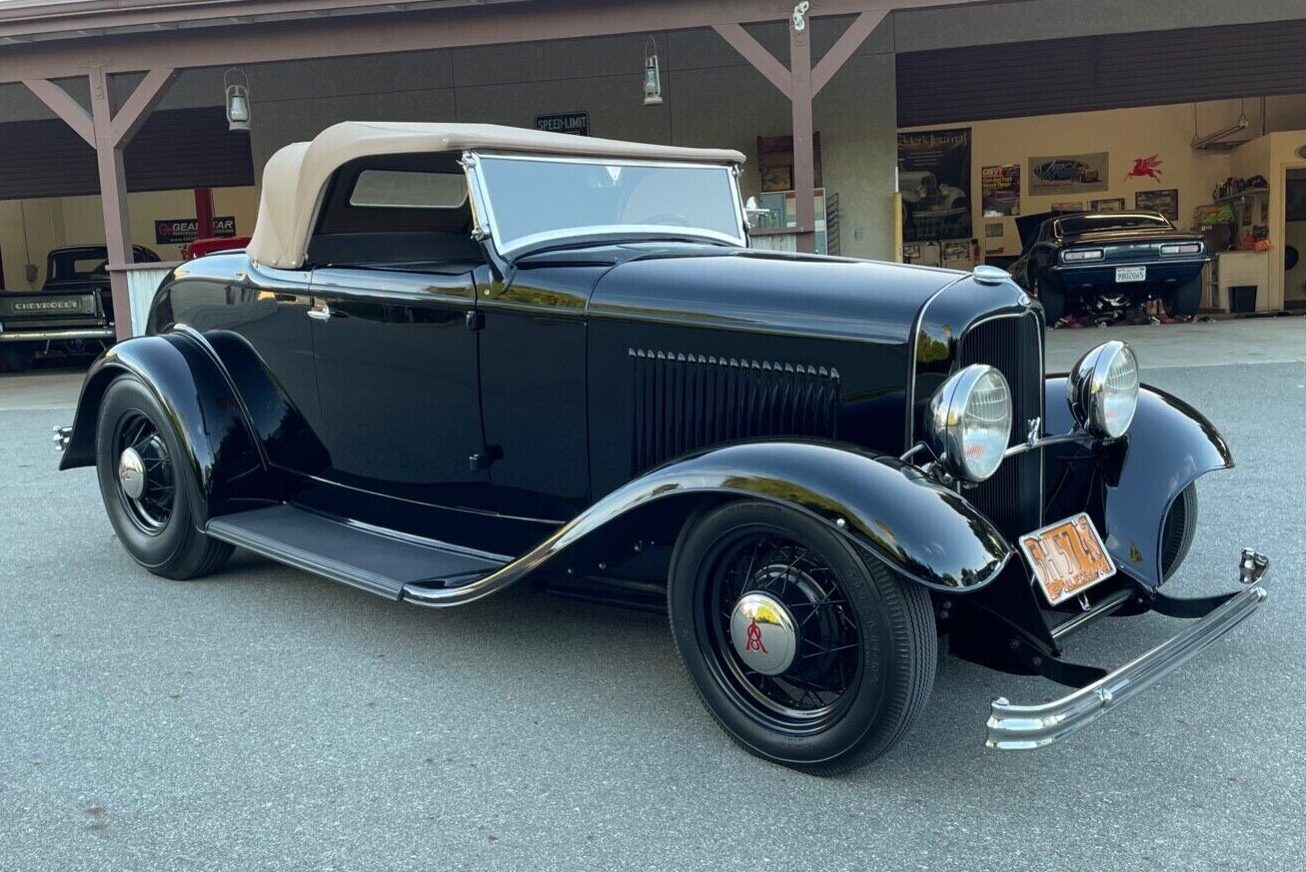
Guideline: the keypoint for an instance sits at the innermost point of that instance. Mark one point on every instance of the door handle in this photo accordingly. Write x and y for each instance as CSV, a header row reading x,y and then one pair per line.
x,y
320,312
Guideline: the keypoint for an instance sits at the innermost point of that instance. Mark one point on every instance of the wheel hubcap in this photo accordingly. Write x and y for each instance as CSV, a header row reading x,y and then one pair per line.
x,y
131,474
764,633
146,483
777,630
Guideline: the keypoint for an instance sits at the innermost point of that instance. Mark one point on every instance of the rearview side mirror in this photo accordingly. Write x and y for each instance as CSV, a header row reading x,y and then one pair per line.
x,y
754,211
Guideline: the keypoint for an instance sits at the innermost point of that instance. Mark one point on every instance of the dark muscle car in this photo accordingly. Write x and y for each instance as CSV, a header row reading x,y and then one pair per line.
x,y
1104,263
72,313
457,357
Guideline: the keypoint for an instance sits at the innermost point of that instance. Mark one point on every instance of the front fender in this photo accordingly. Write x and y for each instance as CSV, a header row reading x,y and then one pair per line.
x,y
1168,446
215,440
886,507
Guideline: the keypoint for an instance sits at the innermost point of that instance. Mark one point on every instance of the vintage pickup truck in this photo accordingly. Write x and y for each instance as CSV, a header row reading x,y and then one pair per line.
x,y
71,314
457,357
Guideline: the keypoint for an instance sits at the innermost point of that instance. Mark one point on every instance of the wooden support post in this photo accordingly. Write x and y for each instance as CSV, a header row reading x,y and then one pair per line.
x,y
108,135
800,97
113,198
61,103
800,82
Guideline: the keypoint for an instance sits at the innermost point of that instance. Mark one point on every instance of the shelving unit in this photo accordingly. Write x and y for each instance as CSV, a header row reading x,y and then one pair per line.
x,y
1243,195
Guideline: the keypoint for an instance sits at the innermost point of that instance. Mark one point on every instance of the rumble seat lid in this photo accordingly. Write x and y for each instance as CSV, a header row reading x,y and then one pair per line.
x,y
296,176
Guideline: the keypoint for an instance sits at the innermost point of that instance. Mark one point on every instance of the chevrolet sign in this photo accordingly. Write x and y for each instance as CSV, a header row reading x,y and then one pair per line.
x,y
46,306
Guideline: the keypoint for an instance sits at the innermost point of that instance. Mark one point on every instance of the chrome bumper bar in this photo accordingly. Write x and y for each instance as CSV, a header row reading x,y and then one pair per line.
x,y
52,335
1019,728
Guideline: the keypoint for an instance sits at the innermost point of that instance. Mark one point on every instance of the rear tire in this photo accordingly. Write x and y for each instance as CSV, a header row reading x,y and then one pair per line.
x,y
157,525
862,642
1052,299
1184,300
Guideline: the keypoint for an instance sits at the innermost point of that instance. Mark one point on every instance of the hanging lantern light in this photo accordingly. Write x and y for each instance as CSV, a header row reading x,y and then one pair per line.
x,y
238,110
652,75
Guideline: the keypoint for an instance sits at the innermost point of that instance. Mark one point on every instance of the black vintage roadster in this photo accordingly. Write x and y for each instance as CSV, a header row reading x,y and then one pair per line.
x,y
456,357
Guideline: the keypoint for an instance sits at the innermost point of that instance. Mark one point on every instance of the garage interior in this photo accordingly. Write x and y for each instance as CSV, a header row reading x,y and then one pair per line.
x,y
1024,79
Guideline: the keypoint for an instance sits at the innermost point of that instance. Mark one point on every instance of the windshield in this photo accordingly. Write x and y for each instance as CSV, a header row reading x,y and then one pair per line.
x,y
1089,223
533,201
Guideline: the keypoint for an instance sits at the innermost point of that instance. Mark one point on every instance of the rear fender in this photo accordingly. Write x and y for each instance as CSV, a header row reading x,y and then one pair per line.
x,y
1169,445
216,441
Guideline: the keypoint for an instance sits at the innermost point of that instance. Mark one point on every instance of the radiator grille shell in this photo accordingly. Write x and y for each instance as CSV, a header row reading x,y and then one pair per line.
x,y
1013,497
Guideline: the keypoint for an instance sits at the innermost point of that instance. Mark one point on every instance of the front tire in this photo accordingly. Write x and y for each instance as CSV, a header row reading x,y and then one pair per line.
x,y
146,487
842,662
16,357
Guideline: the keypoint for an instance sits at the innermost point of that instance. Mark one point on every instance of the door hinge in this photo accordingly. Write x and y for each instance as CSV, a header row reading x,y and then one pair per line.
x,y
475,320
483,460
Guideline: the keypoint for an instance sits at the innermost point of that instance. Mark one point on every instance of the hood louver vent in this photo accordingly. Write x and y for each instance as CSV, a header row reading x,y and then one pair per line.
x,y
686,401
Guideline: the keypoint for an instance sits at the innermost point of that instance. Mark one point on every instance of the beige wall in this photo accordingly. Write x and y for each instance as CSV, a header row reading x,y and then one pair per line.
x,y
29,229
1126,134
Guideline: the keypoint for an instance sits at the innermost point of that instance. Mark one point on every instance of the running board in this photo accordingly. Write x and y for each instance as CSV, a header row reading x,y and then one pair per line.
x,y
375,561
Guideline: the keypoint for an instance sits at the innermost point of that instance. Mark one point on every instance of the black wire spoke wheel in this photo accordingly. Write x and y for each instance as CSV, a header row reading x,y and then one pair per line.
x,y
807,651
814,631
147,484
148,487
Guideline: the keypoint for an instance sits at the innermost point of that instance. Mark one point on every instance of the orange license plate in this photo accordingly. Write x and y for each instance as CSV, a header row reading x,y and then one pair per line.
x,y
1068,557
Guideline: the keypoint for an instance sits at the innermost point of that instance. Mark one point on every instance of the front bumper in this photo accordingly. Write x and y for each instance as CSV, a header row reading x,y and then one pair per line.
x,y
20,335
1019,728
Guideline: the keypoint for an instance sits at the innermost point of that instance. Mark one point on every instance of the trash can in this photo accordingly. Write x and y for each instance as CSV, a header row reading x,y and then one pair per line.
x,y
1242,298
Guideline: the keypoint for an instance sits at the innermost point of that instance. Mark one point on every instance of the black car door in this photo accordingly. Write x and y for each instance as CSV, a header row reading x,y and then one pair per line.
x,y
397,376
533,394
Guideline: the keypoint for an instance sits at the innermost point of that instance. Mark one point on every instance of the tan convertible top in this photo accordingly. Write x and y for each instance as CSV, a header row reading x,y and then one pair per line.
x,y
295,178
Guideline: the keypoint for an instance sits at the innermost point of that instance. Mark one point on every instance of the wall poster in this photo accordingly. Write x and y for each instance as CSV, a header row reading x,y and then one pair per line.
x,y
1000,187
1113,204
934,178
1069,174
1165,201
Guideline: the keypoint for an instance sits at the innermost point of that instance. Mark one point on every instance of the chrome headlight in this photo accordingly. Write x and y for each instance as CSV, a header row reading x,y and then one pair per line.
x,y
969,423
1103,389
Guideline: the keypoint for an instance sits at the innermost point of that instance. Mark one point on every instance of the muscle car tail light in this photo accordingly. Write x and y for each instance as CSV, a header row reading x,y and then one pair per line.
x,y
1082,254
1173,248
970,422
1103,389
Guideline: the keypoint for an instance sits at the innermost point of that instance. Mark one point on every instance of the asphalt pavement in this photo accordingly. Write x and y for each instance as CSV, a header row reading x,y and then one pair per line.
x,y
266,719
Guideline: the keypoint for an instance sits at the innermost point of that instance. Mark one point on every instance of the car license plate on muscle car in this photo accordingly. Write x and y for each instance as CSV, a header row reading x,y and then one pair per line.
x,y
1068,557
1131,274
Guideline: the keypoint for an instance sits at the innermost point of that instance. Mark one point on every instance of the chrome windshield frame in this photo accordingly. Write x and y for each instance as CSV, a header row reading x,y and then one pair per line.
x,y
485,226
